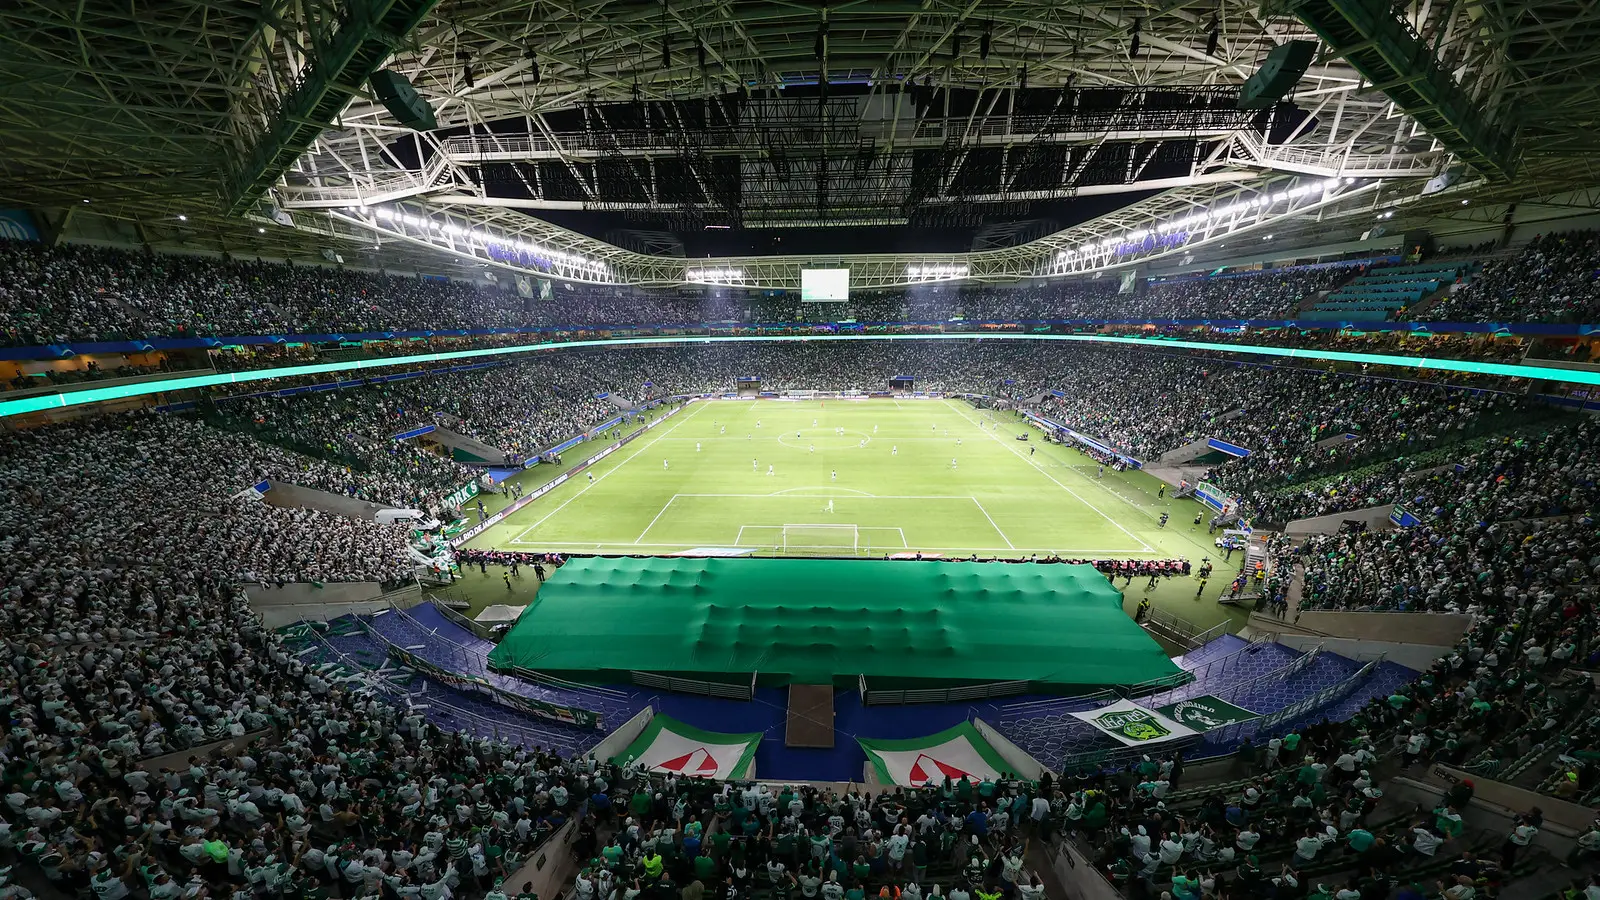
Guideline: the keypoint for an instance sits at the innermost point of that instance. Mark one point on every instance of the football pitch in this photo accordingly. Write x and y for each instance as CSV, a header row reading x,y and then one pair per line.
x,y
853,478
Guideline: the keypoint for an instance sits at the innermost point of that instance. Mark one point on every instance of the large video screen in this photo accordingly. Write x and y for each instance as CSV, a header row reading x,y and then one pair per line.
x,y
824,285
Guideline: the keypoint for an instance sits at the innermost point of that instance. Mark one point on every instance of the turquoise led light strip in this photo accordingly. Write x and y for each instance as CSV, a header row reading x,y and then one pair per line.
x,y
120,392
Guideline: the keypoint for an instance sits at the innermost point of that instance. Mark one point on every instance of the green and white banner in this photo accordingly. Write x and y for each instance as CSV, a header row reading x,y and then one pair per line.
x,y
1134,725
461,494
1206,712
955,753
668,745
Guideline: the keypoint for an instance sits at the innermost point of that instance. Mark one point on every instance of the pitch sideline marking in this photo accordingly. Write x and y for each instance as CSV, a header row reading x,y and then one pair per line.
x,y
1041,470
656,519
624,546
865,496
604,475
992,522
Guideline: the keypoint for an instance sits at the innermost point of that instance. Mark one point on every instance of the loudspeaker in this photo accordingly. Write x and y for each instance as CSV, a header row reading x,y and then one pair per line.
x,y
1439,182
1419,243
401,100
1284,66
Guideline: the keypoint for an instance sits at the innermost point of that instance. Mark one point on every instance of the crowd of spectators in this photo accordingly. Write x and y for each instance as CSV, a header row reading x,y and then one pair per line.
x,y
1509,524
124,542
1261,295
1292,420
1312,819
519,409
1554,278
70,292
86,504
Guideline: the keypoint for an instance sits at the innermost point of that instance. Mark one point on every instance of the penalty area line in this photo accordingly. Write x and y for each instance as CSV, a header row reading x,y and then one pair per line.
x,y
1114,523
656,519
992,523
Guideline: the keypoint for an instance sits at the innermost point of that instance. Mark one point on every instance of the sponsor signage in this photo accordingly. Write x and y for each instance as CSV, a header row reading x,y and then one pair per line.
x,y
956,754
1403,518
1225,447
462,494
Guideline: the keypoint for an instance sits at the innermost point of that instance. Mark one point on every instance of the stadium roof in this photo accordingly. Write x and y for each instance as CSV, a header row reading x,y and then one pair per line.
x,y
683,115
827,621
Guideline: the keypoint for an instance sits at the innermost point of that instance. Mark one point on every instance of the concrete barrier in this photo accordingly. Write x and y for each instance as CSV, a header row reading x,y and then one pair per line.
x,y
1077,875
624,734
1020,761
229,747
1412,656
296,496
470,446
550,867
1434,629
1376,517
1190,451
300,601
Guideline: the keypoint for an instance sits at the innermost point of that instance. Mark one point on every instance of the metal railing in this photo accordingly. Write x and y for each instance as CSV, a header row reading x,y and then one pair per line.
x,y
475,683
1213,668
1057,704
476,658
944,695
477,629
695,685
1230,734
482,726
1180,631
1117,757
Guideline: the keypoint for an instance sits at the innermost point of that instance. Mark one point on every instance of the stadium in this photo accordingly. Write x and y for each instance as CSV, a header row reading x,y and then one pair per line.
x,y
753,451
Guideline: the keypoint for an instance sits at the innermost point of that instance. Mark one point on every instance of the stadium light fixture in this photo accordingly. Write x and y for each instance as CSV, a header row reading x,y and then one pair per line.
x,y
714,276
937,273
520,252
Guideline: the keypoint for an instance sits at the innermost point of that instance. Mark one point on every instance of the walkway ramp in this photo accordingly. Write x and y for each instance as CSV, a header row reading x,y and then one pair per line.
x,y
1186,453
810,716
470,450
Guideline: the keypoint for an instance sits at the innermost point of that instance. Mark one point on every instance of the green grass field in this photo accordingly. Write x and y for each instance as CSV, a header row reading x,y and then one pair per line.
x,y
900,476
896,492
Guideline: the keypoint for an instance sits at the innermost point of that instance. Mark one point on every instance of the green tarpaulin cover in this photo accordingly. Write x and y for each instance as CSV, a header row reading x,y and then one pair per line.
x,y
820,621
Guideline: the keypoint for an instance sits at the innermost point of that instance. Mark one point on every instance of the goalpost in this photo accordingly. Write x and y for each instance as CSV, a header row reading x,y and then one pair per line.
x,y
821,539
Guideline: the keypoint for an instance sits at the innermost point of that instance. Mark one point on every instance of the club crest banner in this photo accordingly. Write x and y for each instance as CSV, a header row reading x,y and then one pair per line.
x,y
1206,712
1134,725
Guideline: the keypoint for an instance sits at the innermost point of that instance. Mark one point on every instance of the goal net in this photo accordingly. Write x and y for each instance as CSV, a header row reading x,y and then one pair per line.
x,y
821,539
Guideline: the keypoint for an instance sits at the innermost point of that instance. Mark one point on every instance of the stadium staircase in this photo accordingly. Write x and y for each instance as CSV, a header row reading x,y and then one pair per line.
x,y
469,450
1286,687
810,716
430,634
349,652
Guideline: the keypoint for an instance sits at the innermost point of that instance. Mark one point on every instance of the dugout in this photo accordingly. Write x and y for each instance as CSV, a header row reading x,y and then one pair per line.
x,y
900,624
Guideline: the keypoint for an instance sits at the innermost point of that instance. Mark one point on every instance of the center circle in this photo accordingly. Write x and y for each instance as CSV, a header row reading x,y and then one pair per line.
x,y
823,438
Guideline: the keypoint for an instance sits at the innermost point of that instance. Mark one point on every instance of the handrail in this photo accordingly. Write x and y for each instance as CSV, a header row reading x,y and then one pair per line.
x,y
561,711
491,727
